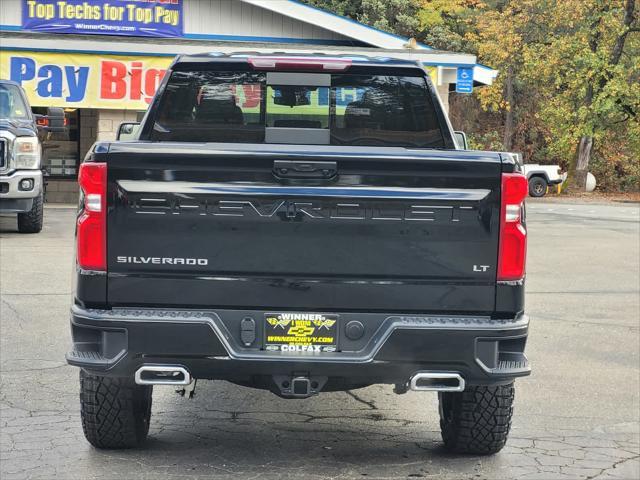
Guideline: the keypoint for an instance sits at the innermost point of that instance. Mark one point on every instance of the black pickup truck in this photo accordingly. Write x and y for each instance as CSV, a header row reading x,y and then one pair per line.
x,y
300,224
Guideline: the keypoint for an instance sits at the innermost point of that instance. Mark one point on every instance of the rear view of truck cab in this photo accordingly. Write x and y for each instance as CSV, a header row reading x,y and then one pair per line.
x,y
301,224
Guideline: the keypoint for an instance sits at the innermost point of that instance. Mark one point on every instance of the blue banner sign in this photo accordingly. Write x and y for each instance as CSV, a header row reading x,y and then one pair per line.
x,y
142,18
464,82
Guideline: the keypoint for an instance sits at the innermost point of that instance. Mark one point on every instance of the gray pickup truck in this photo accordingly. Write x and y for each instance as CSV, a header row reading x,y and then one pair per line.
x,y
21,135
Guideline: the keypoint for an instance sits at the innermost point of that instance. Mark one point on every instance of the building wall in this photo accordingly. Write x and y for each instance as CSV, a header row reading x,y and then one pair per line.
x,y
94,125
222,20
233,17
62,191
88,129
211,18
109,121
443,93
66,190
10,12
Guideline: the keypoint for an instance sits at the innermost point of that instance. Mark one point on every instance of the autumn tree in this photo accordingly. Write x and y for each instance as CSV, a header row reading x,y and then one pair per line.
x,y
589,72
499,35
445,24
569,84
570,65
394,16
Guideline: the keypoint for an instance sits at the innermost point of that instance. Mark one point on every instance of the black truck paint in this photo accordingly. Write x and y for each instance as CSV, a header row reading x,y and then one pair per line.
x,y
206,240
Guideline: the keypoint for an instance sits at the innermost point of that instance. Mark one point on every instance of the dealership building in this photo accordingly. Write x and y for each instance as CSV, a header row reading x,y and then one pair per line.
x,y
102,64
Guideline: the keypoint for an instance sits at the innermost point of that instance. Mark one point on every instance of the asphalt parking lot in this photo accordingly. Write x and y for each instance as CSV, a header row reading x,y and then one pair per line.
x,y
576,417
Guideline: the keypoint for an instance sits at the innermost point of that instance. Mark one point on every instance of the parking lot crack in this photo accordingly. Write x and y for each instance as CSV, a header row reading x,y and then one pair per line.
x,y
14,311
612,467
369,404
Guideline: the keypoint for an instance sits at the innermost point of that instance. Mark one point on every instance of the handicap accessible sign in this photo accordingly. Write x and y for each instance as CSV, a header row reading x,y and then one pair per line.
x,y
464,82
148,18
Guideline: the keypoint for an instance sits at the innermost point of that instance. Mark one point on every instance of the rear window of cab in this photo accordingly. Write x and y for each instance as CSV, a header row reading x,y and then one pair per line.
x,y
261,107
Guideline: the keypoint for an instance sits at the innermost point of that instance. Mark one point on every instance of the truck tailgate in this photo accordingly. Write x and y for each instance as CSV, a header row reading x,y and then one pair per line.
x,y
328,229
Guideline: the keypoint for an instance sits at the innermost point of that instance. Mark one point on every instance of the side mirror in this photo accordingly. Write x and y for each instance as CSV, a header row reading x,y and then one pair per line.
x,y
127,131
461,140
54,121
519,158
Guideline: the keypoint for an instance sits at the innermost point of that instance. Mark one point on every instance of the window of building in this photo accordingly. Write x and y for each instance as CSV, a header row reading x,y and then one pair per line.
x,y
61,150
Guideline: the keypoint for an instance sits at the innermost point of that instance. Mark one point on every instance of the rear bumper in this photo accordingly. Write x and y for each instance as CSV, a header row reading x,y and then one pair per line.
x,y
207,343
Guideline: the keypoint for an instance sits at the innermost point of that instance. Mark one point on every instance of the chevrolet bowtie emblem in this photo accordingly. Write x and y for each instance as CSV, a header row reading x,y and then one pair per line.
x,y
301,331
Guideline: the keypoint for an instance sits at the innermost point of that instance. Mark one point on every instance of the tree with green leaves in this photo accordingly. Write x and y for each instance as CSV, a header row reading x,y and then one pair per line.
x,y
394,16
584,72
444,24
569,84
570,69
596,81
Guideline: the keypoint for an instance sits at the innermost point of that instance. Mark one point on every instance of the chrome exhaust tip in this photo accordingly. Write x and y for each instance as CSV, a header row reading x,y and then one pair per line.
x,y
436,382
162,375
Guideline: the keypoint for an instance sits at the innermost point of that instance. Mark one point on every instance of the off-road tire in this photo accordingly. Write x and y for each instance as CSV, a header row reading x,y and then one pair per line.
x,y
115,412
31,221
478,420
537,187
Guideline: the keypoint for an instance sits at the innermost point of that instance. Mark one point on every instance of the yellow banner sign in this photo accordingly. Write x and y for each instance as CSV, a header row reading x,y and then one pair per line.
x,y
78,80
433,74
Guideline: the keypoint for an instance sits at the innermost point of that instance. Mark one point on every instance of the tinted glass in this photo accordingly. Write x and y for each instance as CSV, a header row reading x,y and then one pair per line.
x,y
369,110
211,107
11,104
384,110
297,107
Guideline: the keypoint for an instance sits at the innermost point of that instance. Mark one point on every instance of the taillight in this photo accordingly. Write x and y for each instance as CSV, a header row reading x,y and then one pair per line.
x,y
512,253
91,232
300,63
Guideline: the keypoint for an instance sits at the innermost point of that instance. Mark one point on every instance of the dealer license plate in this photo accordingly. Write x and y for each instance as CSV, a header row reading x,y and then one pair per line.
x,y
300,332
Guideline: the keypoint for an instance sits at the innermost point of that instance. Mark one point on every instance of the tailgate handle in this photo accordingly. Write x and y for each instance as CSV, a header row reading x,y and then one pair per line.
x,y
302,169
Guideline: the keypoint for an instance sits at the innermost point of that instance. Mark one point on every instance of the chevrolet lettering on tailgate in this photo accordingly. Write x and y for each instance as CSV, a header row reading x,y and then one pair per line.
x,y
370,210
